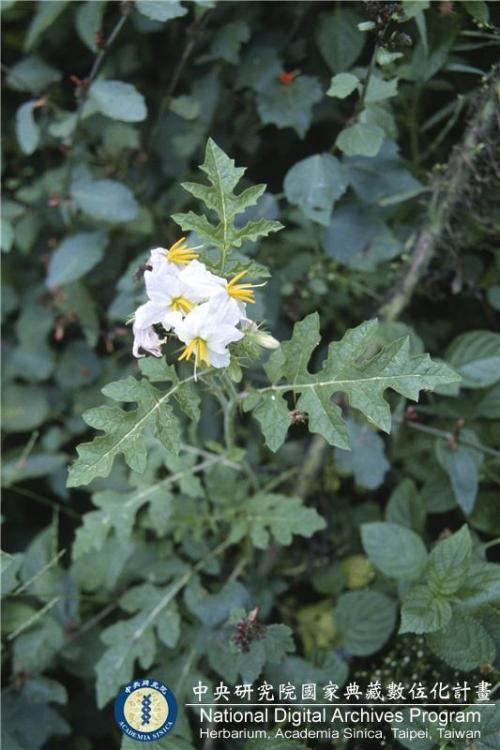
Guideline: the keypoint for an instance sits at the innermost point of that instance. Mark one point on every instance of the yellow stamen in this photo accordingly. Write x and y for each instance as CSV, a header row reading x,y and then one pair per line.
x,y
180,253
241,292
199,348
183,305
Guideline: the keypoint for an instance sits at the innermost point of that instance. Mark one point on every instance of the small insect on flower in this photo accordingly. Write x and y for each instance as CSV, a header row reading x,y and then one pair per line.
x,y
139,274
173,259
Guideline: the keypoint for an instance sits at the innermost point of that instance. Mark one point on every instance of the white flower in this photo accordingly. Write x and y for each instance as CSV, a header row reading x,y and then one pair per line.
x,y
206,335
147,340
172,259
228,297
197,276
168,300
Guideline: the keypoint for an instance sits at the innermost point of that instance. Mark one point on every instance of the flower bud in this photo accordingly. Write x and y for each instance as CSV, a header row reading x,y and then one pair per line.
x,y
260,337
267,341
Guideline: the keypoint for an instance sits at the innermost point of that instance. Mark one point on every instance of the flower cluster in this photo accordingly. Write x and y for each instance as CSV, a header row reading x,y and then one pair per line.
x,y
202,310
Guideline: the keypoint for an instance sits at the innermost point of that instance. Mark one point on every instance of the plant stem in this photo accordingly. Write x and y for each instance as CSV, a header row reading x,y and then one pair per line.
x,y
176,588
310,468
38,575
193,34
446,436
280,479
361,101
459,105
447,194
98,61
492,543
43,500
34,618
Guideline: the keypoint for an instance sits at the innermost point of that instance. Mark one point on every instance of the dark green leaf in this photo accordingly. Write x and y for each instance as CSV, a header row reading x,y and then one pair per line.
x,y
314,184
395,550
75,256
338,38
365,620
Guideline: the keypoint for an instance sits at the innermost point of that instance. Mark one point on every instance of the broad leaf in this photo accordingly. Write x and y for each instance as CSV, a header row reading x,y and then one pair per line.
x,y
449,563
464,644
395,550
338,38
290,105
481,586
423,611
406,507
124,429
159,10
46,13
24,407
278,516
105,200
360,139
366,459
32,74
365,620
75,256
136,638
383,179
462,464
378,89
359,238
476,356
118,100
354,366
27,130
342,85
314,184
88,21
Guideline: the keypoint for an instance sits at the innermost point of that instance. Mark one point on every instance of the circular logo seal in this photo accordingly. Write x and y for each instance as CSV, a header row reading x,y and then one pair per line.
x,y
145,710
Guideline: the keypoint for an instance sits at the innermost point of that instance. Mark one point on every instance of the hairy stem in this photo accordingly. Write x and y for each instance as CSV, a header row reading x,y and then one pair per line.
x,y
446,198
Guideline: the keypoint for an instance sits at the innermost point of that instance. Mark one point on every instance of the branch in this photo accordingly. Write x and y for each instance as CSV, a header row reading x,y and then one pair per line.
x,y
84,92
448,436
194,33
310,468
447,196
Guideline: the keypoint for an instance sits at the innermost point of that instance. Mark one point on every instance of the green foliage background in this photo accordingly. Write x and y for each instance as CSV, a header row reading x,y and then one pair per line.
x,y
381,160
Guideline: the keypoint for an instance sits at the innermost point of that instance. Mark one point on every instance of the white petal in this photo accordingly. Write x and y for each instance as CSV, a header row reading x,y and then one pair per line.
x,y
171,320
147,340
222,336
193,323
158,260
218,359
161,285
147,314
201,281
227,309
